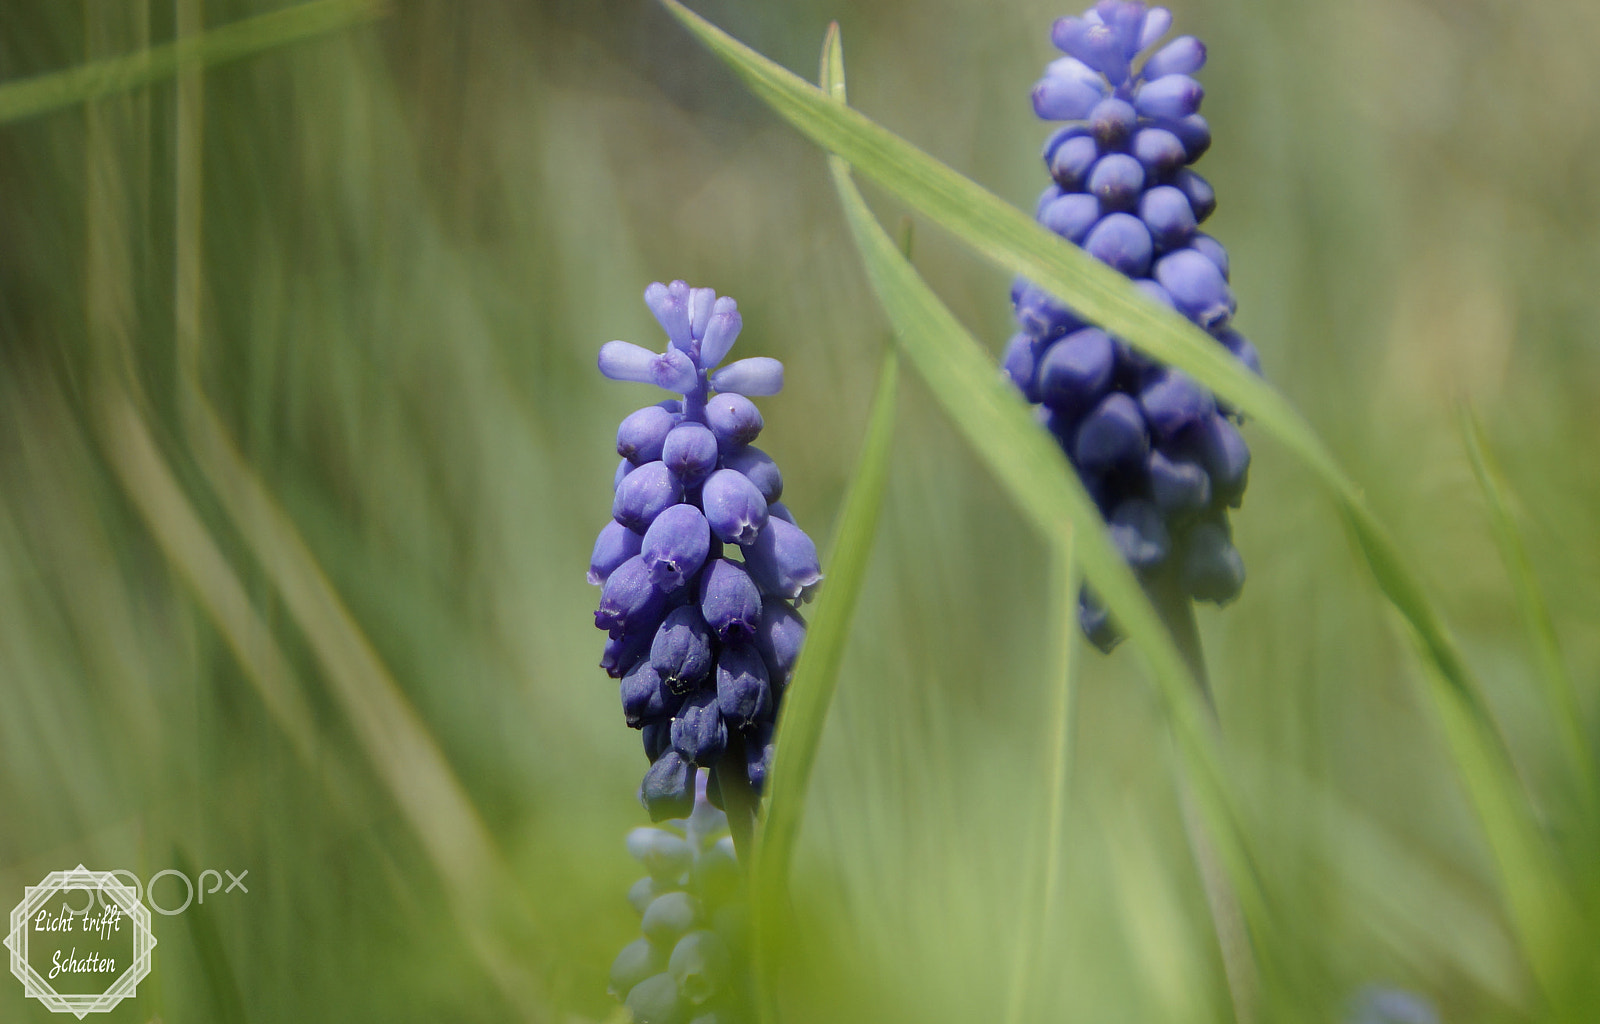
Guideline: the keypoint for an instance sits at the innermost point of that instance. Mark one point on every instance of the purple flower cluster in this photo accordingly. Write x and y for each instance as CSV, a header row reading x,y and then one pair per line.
x,y
1161,456
690,960
701,565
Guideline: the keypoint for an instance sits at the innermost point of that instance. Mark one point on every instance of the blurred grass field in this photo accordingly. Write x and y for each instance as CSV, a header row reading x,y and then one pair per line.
x,y
329,624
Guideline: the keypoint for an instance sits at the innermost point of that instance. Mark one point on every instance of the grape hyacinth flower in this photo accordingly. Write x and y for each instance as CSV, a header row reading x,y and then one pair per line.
x,y
1162,458
701,565
688,962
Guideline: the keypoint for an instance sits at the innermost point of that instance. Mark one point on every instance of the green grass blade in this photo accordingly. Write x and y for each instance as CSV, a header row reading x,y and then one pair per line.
x,y
1011,239
1044,889
809,695
99,78
1560,694
998,424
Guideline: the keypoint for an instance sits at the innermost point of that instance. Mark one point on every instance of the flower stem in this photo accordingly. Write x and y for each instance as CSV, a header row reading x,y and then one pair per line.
x,y
1227,917
739,801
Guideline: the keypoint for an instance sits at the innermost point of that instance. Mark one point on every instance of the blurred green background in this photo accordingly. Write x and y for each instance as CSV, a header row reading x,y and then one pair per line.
x,y
328,623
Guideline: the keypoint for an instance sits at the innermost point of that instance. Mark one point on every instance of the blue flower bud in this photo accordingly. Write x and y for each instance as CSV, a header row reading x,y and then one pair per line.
x,y
1183,56
666,792
1242,350
641,433
621,360
754,377
1070,163
642,893
1051,193
628,598
1202,199
674,370
1195,134
758,755
1020,363
758,466
690,451
1041,315
1196,285
645,699
1126,21
615,545
1094,44
778,637
744,693
1212,250
1139,533
1178,486
1112,435
701,306
1064,95
1122,242
1212,570
675,546
701,965
623,651
1379,1005
1076,370
624,467
729,600
670,304
656,1001
778,510
1096,622
681,651
1111,122
1172,402
1166,212
665,855
734,506
637,961
1116,180
657,737
1171,96
672,915
644,494
782,560
698,732
1156,23
1226,458
1158,151
1156,293
721,332
1057,137
1072,215
734,419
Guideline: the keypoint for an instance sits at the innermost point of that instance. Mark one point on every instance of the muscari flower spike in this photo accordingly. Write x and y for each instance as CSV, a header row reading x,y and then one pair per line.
x,y
1162,458
688,962
701,566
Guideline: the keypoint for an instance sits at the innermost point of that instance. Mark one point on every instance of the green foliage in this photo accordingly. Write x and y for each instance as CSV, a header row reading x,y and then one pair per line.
x,y
302,449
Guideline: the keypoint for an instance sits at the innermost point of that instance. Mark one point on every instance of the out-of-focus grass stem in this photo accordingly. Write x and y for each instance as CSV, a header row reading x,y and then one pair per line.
x,y
1045,885
1227,917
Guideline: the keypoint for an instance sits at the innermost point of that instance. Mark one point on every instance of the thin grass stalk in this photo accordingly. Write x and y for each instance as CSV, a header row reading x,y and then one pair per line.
x,y
1044,891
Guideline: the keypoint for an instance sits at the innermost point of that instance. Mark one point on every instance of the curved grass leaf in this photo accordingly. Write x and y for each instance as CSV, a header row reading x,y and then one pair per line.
x,y
1561,698
244,38
1012,240
808,696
